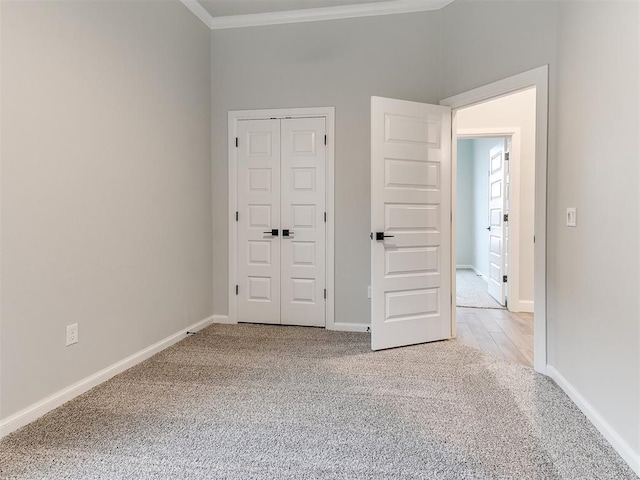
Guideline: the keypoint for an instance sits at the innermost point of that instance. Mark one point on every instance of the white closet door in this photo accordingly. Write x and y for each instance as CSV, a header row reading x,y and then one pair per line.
x,y
258,298
303,208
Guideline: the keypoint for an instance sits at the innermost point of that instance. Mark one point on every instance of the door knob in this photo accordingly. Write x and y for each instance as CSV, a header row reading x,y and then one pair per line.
x,y
273,233
489,228
382,236
286,232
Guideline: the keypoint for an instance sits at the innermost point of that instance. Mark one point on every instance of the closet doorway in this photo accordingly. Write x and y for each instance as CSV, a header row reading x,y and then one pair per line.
x,y
281,217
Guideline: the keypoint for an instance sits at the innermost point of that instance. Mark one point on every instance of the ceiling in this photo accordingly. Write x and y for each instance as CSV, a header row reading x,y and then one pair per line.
x,y
223,8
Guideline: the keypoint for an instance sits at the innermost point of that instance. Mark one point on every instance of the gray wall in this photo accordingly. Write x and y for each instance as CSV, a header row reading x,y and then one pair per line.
x,y
338,63
593,275
106,194
464,203
595,307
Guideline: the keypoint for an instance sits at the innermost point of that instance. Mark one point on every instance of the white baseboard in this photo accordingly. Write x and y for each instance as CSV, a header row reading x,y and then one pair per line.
x,y
38,409
464,267
351,327
222,319
617,442
525,306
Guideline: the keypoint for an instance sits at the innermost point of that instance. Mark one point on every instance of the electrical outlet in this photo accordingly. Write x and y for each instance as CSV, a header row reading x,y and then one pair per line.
x,y
572,220
72,334
369,291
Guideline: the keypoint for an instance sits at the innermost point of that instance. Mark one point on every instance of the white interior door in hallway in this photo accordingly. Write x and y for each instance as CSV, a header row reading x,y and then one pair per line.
x,y
281,170
497,225
410,222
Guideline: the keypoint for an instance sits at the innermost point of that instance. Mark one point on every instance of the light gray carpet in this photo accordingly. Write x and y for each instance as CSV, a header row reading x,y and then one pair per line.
x,y
471,290
252,402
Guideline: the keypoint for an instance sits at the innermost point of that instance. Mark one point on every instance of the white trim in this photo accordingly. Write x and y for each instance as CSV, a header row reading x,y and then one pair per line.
x,y
617,442
525,306
38,409
329,114
513,247
539,78
390,7
454,228
222,319
350,327
199,11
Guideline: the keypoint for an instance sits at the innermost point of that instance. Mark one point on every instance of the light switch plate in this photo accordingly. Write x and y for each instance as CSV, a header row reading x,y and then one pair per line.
x,y
572,220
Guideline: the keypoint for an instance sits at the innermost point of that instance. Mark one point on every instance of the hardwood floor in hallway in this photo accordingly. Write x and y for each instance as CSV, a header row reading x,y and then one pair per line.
x,y
502,333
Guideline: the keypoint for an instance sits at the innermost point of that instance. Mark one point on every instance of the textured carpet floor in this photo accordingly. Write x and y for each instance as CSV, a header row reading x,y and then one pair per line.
x,y
249,401
471,290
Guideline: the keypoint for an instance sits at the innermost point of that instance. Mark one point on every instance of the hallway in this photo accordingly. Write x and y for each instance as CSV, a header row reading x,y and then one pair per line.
x,y
507,335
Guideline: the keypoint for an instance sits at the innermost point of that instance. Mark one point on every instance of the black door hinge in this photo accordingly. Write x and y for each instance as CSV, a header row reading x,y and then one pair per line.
x,y
506,156
505,217
237,289
325,139
325,293
236,216
325,217
236,142
504,278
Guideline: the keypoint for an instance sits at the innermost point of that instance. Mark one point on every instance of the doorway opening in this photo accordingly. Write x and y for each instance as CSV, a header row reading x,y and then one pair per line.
x,y
495,179
512,109
483,193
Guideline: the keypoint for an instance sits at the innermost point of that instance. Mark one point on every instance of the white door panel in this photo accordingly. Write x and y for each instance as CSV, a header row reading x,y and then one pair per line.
x,y
258,260
303,201
497,227
410,205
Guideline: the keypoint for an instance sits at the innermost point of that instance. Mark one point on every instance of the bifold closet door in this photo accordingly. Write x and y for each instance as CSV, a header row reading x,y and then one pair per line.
x,y
303,210
258,261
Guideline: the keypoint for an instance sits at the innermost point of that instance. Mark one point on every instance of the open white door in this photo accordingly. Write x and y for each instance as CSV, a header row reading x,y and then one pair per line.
x,y
497,226
411,223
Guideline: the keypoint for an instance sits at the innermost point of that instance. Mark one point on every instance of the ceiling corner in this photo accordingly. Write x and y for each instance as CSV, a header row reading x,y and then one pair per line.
x,y
199,11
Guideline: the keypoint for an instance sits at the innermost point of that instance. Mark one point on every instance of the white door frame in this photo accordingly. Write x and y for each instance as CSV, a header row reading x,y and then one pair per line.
x,y
513,241
329,115
539,78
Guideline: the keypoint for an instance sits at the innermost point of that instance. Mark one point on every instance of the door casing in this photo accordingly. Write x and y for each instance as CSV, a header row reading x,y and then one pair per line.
x,y
538,78
233,118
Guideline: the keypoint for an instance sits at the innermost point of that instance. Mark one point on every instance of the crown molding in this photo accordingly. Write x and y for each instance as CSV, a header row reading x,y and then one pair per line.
x,y
199,11
389,7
